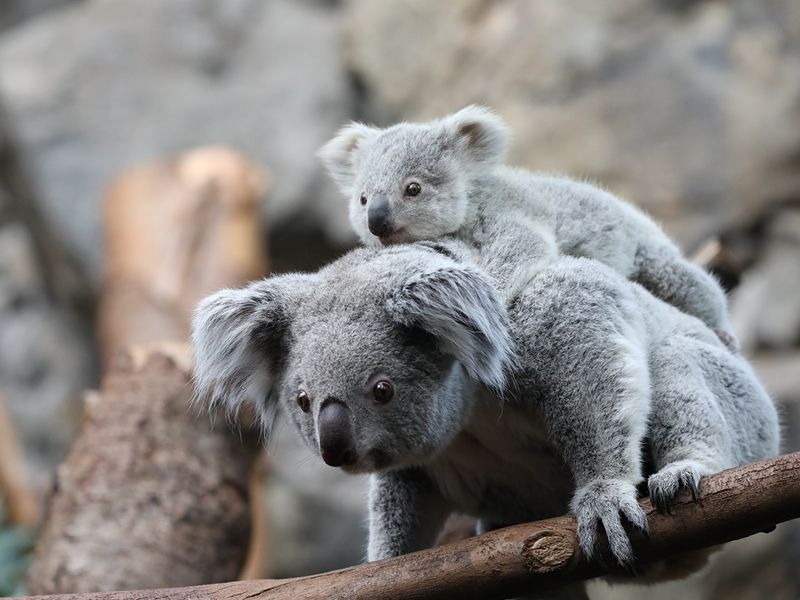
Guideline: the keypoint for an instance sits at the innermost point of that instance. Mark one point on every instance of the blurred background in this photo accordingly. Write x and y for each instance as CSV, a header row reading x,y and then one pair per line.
x,y
689,109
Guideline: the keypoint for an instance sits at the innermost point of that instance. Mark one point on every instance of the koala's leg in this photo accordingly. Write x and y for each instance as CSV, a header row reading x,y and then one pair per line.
x,y
513,249
689,436
670,276
597,415
406,512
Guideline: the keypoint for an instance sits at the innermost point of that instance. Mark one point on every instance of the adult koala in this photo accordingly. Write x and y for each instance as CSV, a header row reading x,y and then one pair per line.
x,y
403,362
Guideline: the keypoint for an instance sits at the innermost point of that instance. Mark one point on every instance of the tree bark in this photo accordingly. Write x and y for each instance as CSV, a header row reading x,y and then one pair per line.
x,y
151,495
535,556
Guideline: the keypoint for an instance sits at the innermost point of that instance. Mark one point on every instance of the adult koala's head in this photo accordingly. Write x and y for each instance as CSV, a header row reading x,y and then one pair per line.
x,y
408,182
374,357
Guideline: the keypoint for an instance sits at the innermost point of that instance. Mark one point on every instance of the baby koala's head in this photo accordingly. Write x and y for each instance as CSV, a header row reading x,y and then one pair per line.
x,y
409,182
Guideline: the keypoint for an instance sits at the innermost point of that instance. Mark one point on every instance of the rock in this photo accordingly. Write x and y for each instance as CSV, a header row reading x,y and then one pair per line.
x,y
682,108
46,352
780,373
13,12
765,308
102,84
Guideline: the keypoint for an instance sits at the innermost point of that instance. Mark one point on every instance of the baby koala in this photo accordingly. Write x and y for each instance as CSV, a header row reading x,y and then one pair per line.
x,y
424,181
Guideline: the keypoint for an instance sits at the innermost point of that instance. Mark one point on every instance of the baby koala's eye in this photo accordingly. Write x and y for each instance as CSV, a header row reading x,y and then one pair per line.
x,y
413,189
303,401
363,199
382,391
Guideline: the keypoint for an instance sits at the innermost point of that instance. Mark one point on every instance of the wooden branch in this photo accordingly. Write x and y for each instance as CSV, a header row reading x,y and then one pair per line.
x,y
534,556
258,558
19,499
151,495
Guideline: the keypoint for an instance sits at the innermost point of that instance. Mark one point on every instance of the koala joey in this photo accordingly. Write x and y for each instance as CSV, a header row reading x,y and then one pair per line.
x,y
423,181
405,363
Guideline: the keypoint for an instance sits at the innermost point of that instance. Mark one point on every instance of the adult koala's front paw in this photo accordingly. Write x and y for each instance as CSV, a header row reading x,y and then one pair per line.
x,y
664,485
606,501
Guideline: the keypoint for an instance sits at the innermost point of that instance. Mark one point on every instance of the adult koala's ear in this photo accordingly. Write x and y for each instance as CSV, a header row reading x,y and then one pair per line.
x,y
240,340
461,308
478,134
340,155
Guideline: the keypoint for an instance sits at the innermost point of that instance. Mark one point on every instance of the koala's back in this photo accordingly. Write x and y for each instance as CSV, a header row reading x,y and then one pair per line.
x,y
577,309
573,301
751,429
586,220
575,297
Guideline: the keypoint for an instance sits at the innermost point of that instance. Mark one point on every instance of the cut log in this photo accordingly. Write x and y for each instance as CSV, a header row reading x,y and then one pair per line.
x,y
151,494
534,556
175,232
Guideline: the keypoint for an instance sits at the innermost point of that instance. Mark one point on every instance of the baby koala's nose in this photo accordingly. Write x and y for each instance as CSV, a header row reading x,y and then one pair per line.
x,y
378,216
336,442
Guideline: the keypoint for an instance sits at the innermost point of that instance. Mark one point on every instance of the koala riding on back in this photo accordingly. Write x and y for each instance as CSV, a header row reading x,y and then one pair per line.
x,y
423,181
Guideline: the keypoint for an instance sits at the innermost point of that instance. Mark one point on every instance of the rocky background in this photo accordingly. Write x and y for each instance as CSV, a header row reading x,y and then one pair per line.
x,y
690,109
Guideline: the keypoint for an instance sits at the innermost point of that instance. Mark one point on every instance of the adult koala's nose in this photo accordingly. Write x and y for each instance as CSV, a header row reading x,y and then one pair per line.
x,y
378,216
336,443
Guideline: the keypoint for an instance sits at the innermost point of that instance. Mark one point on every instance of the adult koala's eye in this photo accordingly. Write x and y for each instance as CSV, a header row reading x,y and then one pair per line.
x,y
413,189
363,199
303,401
382,391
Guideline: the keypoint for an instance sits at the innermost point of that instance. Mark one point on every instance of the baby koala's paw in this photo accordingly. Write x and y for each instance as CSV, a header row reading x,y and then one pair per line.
x,y
606,502
730,340
667,482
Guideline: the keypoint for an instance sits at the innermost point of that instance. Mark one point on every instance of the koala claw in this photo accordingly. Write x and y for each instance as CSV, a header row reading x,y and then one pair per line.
x,y
666,483
607,501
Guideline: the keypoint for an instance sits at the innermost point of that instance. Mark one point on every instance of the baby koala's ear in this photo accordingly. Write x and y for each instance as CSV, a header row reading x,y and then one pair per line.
x,y
239,338
462,309
478,133
340,155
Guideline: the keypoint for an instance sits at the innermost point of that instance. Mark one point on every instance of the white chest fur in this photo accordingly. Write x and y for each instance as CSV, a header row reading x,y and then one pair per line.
x,y
502,468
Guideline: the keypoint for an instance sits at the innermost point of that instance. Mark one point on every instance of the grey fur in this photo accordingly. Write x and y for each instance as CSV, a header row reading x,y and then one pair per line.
x,y
603,369
236,335
521,221
460,308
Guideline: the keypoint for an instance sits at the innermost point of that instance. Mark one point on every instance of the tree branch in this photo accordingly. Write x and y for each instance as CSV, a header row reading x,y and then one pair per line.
x,y
19,499
534,556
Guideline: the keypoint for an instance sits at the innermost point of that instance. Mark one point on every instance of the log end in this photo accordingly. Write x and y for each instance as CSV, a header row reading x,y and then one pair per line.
x,y
547,551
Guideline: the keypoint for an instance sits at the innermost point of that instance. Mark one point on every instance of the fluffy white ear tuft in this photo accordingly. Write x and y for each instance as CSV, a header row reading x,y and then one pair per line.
x,y
239,340
461,308
479,134
340,154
